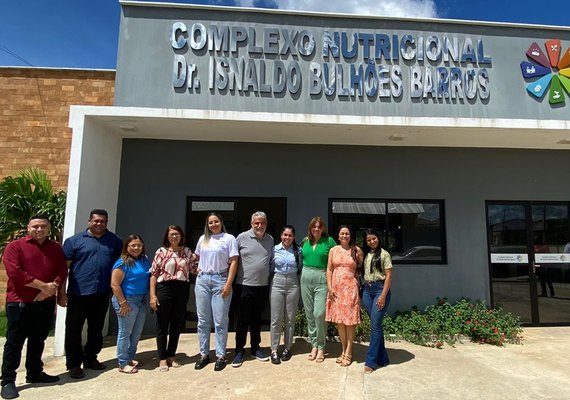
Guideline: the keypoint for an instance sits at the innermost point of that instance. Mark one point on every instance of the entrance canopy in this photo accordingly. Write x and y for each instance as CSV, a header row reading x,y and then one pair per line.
x,y
98,133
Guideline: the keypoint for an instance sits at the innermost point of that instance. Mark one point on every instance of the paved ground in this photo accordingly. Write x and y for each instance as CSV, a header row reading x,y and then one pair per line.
x,y
537,369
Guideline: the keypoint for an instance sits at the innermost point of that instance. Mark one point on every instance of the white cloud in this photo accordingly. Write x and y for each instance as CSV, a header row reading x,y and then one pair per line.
x,y
247,3
387,8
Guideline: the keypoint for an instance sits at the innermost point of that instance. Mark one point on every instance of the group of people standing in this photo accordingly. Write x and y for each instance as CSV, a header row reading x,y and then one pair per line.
x,y
40,272
330,288
249,268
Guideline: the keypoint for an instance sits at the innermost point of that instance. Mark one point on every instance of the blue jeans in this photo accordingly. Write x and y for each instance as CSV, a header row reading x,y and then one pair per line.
x,y
130,327
210,306
377,355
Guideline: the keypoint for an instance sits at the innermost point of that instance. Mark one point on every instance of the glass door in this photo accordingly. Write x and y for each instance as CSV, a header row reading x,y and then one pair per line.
x,y
511,272
551,262
529,265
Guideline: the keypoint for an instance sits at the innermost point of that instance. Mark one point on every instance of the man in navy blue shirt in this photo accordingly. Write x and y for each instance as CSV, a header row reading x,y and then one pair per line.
x,y
90,256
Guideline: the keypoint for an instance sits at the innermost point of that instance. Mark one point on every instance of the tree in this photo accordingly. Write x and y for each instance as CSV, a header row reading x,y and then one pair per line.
x,y
30,192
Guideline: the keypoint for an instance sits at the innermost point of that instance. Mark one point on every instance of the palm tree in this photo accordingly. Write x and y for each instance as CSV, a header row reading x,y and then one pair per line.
x,y
30,192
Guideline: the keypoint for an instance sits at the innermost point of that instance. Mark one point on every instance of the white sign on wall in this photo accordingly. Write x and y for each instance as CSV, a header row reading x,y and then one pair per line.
x,y
509,258
552,258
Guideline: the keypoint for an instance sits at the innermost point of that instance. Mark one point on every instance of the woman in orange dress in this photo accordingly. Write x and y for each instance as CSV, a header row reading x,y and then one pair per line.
x,y
343,302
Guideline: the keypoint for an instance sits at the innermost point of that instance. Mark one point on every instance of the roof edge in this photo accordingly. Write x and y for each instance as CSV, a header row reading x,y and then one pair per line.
x,y
339,15
57,68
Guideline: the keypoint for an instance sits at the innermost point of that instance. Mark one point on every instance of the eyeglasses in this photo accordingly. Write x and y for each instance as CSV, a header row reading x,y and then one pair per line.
x,y
136,246
173,235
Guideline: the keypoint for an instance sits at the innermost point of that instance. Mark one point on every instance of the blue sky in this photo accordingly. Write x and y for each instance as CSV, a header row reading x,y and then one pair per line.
x,y
84,33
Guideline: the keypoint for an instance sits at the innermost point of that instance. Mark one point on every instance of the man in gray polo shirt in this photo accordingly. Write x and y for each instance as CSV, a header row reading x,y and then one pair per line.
x,y
252,285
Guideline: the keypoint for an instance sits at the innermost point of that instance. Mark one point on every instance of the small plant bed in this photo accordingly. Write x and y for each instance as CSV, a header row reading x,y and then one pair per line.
x,y
445,322
438,324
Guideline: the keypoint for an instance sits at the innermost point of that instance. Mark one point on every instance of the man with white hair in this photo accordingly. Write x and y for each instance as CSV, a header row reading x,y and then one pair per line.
x,y
252,285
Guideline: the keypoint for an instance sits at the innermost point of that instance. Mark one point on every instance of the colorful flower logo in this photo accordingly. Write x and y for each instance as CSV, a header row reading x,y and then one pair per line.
x,y
551,68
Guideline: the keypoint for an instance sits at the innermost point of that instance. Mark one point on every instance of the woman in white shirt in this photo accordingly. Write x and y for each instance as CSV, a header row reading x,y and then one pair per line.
x,y
218,257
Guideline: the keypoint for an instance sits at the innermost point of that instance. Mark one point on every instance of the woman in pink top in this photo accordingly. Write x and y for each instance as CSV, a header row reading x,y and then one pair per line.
x,y
169,293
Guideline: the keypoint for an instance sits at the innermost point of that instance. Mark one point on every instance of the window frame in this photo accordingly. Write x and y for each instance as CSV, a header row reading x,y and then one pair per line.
x,y
386,201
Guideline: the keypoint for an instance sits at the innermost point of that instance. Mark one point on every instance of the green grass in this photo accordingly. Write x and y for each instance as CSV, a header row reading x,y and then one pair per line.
x,y
3,324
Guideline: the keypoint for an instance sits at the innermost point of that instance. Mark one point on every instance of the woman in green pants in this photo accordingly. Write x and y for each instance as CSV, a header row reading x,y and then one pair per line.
x,y
315,250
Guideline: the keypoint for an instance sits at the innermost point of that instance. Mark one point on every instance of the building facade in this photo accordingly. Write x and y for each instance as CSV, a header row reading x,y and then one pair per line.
x,y
451,138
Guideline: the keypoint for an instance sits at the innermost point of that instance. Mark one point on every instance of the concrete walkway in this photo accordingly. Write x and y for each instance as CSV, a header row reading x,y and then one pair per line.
x,y
537,369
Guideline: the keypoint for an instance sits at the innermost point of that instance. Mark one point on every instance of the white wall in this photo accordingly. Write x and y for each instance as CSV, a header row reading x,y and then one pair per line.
x,y
94,167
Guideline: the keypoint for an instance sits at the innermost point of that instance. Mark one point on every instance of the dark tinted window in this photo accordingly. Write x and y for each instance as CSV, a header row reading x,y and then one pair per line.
x,y
412,230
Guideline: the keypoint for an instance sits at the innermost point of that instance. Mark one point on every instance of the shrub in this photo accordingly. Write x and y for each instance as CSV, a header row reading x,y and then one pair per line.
x,y
30,192
362,331
3,324
445,323
437,324
492,325
301,323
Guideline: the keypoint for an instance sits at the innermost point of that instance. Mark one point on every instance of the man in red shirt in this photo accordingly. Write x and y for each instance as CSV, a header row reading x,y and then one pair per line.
x,y
37,272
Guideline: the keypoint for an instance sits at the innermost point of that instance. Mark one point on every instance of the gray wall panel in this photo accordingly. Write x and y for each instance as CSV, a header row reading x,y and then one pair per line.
x,y
157,176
